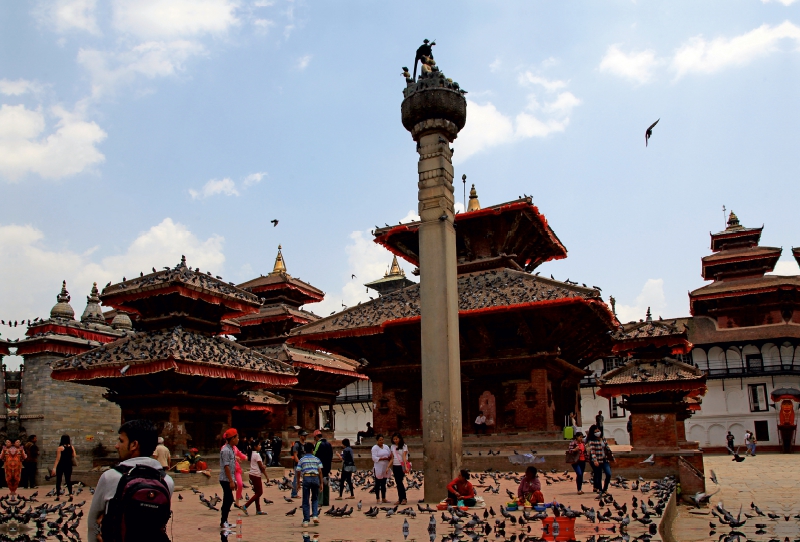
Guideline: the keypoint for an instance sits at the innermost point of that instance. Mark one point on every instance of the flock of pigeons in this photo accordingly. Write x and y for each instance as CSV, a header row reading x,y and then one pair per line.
x,y
21,521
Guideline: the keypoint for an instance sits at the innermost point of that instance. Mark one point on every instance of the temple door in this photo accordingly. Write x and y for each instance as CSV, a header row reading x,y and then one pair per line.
x,y
486,403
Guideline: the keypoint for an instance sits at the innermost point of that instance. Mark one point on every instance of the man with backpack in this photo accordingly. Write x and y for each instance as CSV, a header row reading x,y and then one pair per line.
x,y
132,500
298,451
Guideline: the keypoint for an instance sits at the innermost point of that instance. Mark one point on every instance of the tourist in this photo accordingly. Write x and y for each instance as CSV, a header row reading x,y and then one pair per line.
x,y
238,474
729,438
530,488
629,427
13,455
161,454
461,490
310,468
370,432
399,466
598,420
324,452
599,455
66,458
277,446
227,478
256,470
750,443
381,457
298,449
348,468
31,463
480,423
579,465
573,422
135,445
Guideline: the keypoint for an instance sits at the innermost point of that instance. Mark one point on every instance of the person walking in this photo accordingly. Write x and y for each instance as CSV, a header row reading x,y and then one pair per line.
x,y
277,446
310,468
599,455
161,454
31,463
598,420
381,458
298,450
749,442
238,475
399,462
348,468
227,478
256,470
13,456
324,452
135,445
578,448
731,441
66,458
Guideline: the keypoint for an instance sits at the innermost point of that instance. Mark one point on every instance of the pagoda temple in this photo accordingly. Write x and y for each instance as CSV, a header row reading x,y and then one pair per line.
x,y
744,312
394,279
49,408
524,339
661,393
177,369
320,374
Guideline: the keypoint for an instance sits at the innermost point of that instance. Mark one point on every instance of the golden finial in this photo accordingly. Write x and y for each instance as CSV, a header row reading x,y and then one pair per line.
x,y
280,266
733,222
395,270
474,204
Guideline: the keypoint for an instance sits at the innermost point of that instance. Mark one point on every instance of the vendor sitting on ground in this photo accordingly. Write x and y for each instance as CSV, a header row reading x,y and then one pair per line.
x,y
192,462
461,490
530,488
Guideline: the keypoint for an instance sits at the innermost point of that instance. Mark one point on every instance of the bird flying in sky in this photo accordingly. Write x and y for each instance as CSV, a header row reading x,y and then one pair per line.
x,y
649,132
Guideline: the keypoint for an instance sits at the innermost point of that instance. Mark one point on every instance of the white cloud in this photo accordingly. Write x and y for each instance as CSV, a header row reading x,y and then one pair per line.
x,y
32,271
165,19
550,85
411,216
652,295
19,87
215,187
786,267
254,178
263,25
635,66
151,59
303,62
495,66
701,56
71,148
68,15
784,2
366,260
488,127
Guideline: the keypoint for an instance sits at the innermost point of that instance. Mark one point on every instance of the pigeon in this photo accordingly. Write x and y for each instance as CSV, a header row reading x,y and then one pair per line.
x,y
274,222
649,133
650,460
292,511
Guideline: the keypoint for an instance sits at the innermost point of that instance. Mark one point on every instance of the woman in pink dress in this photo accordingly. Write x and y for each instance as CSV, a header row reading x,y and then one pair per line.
x,y
238,475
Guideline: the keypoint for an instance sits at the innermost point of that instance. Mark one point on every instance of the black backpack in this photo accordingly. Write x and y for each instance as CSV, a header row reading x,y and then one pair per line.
x,y
140,508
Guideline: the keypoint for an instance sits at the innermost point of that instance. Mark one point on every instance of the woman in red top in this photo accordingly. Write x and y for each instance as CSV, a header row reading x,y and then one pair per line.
x,y
580,465
461,490
530,488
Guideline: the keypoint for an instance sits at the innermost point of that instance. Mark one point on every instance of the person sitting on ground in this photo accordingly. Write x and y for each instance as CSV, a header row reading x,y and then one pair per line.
x,y
369,433
530,488
480,423
461,490
192,462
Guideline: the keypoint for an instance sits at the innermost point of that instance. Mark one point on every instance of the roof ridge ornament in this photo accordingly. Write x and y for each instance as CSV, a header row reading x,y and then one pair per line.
x,y
648,316
93,313
62,309
474,204
280,265
733,222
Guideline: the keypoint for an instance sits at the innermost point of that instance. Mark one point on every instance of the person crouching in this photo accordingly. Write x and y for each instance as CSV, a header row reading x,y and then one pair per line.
x,y
530,488
461,490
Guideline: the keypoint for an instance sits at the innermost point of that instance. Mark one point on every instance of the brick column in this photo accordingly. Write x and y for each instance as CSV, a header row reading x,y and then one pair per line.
x,y
654,431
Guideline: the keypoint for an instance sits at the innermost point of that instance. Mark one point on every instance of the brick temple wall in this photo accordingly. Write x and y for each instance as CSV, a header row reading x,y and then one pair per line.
x,y
77,410
654,431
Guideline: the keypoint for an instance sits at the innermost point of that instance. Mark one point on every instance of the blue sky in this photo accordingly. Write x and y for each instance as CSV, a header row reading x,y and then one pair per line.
x,y
134,131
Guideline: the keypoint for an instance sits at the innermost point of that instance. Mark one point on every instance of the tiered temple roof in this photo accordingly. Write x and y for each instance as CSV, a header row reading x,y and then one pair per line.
x,y
394,279
742,295
181,313
650,338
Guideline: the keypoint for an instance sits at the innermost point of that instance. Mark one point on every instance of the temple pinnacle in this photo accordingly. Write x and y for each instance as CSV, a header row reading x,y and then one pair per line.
x,y
733,222
474,204
280,266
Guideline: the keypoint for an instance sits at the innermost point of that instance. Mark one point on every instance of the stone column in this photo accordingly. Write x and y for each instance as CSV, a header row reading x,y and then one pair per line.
x,y
434,114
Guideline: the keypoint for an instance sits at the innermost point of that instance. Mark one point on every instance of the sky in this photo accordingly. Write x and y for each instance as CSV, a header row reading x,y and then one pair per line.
x,y
134,131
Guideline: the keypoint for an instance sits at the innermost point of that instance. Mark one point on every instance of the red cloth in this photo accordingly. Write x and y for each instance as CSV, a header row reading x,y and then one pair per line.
x,y
462,488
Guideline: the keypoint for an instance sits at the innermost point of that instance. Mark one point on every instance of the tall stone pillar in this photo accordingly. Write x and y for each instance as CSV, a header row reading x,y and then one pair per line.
x,y
434,110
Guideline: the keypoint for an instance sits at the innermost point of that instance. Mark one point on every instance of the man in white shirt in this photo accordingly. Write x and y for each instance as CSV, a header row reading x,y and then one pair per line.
x,y
480,423
162,454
